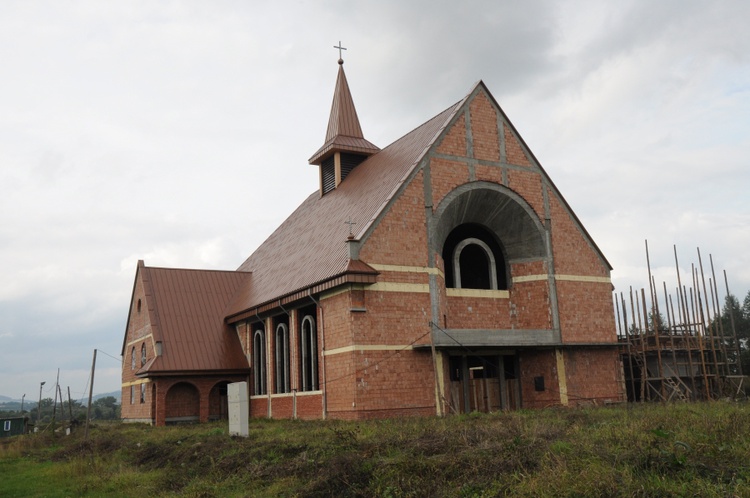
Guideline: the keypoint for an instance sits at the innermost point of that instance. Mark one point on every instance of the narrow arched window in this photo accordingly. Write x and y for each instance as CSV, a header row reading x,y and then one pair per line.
x,y
132,359
143,354
259,362
309,350
474,265
281,349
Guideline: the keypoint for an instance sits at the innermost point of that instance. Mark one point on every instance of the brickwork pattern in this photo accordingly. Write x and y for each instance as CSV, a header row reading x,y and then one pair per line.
x,y
446,176
486,173
401,236
528,184
484,128
513,149
478,313
593,376
573,254
392,318
530,305
586,312
540,363
454,141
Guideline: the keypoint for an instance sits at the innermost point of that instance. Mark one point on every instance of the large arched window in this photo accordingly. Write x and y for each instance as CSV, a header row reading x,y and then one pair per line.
x,y
309,350
474,259
281,357
259,362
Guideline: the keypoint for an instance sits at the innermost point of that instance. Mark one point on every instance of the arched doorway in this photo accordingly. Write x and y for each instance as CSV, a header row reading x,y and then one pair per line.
x,y
182,404
218,405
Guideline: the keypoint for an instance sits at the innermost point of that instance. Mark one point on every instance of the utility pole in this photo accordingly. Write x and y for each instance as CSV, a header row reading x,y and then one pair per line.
x,y
91,393
39,407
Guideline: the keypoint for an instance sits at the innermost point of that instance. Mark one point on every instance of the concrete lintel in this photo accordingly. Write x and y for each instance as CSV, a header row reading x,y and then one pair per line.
x,y
494,338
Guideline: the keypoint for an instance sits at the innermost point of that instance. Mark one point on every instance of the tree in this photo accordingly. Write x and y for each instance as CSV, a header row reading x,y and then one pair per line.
x,y
735,319
106,408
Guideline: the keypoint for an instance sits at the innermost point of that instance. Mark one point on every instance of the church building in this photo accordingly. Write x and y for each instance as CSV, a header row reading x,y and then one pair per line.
x,y
442,274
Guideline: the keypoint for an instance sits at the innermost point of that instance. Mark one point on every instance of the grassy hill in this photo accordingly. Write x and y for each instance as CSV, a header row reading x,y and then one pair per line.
x,y
700,449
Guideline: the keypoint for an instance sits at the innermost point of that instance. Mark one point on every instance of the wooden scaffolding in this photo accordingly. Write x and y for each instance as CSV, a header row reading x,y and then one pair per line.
x,y
674,346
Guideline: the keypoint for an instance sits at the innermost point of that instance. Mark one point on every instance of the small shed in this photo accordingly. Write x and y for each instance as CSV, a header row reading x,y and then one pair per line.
x,y
12,426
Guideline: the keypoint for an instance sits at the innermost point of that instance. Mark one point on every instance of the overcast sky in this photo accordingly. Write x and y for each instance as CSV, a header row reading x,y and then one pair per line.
x,y
179,133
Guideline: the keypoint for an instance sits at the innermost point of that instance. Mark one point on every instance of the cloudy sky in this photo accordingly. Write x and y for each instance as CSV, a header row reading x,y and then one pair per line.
x,y
178,132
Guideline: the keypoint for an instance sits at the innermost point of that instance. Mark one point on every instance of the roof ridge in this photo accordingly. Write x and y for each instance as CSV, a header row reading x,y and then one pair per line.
x,y
196,269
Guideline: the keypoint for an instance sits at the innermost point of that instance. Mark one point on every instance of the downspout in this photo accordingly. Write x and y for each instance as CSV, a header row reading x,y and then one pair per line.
x,y
322,354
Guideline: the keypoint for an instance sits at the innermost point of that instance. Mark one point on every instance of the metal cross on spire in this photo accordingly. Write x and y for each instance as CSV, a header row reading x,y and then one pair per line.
x,y
350,223
341,59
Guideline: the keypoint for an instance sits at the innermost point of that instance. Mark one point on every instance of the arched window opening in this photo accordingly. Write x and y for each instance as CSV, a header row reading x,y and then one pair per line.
x,y
143,354
259,362
309,350
474,259
474,265
281,349
132,359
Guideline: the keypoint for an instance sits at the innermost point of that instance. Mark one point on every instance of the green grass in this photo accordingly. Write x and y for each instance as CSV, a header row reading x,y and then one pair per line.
x,y
700,449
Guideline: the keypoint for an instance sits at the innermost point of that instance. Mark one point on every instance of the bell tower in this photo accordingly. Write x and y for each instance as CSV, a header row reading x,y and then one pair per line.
x,y
345,146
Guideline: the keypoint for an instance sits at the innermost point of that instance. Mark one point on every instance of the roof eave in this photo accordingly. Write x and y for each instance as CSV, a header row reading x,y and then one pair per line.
x,y
364,274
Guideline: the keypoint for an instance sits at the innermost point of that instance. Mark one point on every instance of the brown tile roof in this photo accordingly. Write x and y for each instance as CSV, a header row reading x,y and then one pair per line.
x,y
186,311
311,245
344,132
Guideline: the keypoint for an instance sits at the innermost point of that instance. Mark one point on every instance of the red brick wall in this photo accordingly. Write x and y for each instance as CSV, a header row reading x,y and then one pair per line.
x,y
513,149
484,128
183,400
492,174
530,306
340,378
445,176
401,237
309,406
259,407
282,406
394,318
593,376
573,254
478,312
541,363
528,184
586,312
454,140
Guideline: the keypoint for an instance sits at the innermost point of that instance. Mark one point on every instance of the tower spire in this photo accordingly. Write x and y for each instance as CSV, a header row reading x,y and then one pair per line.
x,y
344,133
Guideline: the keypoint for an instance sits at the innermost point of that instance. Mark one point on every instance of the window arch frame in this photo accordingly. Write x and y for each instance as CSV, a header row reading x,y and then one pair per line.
x,y
259,362
282,382
492,266
308,354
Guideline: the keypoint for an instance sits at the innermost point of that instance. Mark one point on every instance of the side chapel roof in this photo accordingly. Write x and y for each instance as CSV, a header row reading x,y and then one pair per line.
x,y
186,314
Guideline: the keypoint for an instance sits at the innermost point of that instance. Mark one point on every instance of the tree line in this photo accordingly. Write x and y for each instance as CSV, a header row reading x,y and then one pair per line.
x,y
105,408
